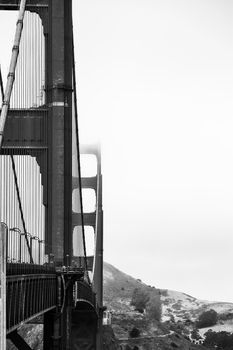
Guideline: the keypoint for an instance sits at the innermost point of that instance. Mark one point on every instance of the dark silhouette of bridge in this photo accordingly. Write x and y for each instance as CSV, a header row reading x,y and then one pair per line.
x,y
46,270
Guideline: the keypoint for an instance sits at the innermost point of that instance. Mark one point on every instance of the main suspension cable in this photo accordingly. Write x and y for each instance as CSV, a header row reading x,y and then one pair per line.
x,y
11,75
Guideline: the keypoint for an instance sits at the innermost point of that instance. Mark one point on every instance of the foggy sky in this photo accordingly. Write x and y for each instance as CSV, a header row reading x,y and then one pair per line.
x,y
155,85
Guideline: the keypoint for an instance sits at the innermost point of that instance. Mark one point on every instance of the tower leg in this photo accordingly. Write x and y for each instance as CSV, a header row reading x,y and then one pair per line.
x,y
52,331
84,328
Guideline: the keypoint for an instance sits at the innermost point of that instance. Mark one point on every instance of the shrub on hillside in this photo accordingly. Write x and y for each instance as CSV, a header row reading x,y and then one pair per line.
x,y
154,308
195,334
207,319
139,299
128,347
226,316
219,340
177,327
134,333
147,300
172,319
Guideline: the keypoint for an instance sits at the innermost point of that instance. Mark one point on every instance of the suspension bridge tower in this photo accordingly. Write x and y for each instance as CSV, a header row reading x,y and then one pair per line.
x,y
48,273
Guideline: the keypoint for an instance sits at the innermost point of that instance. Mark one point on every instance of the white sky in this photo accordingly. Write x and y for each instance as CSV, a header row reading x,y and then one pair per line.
x,y
155,85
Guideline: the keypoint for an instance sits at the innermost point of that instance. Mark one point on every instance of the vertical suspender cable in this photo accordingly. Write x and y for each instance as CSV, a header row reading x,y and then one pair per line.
x,y
10,78
20,207
6,102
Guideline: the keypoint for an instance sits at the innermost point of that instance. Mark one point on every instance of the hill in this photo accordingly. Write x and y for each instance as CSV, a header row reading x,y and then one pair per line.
x,y
179,313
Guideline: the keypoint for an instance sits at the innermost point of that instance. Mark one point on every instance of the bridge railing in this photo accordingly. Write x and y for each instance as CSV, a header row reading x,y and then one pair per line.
x,y
27,290
28,296
17,251
17,255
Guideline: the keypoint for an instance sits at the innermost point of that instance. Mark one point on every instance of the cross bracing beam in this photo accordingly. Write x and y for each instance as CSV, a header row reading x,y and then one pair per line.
x,y
18,341
89,219
82,261
87,182
26,128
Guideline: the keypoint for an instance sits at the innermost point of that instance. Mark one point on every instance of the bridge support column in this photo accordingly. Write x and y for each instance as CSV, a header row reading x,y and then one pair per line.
x,y
54,330
84,330
99,335
59,95
59,100
3,234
